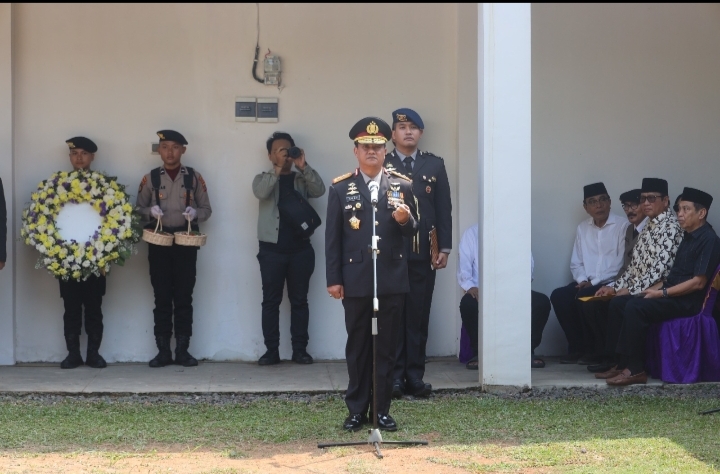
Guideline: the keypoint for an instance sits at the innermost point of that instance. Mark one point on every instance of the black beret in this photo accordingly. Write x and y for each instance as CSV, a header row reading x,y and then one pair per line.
x,y
631,196
371,130
594,190
173,136
697,196
407,115
82,143
655,185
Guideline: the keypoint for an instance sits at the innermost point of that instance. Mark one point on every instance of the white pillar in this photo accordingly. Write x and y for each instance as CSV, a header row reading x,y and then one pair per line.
x,y
7,280
504,181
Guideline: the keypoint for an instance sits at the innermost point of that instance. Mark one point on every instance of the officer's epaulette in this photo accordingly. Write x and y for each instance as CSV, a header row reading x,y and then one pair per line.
x,y
399,175
341,178
427,153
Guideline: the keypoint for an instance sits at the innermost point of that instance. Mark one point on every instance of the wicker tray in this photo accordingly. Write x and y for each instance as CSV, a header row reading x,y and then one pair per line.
x,y
190,238
157,236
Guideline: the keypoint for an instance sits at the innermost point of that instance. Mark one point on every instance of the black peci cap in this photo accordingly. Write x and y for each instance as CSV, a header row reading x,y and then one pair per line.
x,y
631,196
594,190
655,185
82,143
697,196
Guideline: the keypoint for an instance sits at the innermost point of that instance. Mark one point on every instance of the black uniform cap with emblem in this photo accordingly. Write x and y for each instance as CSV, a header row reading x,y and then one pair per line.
x,y
407,115
698,197
173,136
371,130
81,143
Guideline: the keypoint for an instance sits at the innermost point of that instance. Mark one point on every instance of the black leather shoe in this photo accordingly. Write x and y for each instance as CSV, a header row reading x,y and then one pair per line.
x,y
271,357
164,355
73,359
302,357
418,388
397,389
386,423
354,422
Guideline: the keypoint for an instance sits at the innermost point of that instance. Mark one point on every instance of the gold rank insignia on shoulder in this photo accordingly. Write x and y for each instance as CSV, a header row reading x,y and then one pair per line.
x,y
341,178
399,175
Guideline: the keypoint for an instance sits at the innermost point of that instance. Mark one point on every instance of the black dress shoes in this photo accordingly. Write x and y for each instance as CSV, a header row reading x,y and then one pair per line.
x,y
354,422
397,389
386,423
302,357
418,388
271,357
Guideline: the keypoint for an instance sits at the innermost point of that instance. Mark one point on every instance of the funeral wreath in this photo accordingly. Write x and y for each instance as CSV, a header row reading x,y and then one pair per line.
x,y
53,214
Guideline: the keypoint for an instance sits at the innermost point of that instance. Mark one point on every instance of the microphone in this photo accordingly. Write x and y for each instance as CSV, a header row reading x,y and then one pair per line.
x,y
374,188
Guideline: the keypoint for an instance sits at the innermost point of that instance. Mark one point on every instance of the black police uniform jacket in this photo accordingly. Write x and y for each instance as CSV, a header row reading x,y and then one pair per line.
x,y
431,188
348,260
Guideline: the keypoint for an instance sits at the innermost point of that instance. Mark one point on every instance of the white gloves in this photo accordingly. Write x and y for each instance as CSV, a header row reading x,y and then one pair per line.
x,y
190,213
156,212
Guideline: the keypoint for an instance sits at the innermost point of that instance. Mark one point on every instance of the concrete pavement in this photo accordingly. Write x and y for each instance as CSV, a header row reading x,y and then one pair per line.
x,y
245,377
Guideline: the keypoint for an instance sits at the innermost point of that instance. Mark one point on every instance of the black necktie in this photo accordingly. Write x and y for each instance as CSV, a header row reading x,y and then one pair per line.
x,y
408,164
635,233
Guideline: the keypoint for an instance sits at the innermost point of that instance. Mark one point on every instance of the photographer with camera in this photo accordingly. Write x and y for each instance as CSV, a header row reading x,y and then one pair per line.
x,y
285,223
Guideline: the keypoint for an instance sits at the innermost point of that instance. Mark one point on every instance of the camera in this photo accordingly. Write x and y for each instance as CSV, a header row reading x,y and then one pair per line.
x,y
294,152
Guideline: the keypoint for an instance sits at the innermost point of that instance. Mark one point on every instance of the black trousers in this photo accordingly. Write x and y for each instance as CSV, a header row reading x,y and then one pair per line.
x,y
567,310
595,320
359,350
539,314
75,295
275,269
413,334
630,317
172,274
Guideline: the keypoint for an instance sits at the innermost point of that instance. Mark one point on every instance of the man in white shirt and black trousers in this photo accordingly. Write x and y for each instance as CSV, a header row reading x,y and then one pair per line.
x,y
596,259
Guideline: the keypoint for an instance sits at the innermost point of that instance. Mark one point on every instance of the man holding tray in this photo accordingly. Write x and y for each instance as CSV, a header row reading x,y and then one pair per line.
x,y
173,194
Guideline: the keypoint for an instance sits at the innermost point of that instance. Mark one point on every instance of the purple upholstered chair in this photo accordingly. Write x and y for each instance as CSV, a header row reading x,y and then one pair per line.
x,y
687,350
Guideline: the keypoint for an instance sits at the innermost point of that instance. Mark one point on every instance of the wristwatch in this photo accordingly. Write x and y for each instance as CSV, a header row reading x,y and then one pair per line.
x,y
665,295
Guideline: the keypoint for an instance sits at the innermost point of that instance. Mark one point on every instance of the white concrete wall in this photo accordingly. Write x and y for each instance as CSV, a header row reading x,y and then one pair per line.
x,y
620,92
118,73
7,281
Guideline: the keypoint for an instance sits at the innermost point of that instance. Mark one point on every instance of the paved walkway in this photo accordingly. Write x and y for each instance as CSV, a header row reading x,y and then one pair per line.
x,y
442,373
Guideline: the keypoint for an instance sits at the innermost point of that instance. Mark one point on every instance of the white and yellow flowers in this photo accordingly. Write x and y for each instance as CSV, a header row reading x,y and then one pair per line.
x,y
114,240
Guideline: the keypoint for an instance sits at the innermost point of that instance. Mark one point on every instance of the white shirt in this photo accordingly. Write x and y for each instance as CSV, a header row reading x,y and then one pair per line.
x,y
467,274
598,252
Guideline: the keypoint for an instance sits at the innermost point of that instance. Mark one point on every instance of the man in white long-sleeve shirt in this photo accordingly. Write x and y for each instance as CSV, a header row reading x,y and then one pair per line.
x,y
468,279
596,259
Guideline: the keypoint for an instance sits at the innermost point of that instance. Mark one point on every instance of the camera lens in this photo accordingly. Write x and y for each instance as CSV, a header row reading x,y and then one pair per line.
x,y
294,152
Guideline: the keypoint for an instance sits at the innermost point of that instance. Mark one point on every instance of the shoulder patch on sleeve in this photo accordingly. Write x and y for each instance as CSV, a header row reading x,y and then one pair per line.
x,y
202,181
142,184
399,175
341,178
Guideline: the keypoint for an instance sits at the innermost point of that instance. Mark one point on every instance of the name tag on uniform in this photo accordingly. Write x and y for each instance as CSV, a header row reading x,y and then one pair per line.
x,y
356,197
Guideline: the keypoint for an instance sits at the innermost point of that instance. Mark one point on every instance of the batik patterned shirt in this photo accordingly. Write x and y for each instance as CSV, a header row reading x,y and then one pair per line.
x,y
653,255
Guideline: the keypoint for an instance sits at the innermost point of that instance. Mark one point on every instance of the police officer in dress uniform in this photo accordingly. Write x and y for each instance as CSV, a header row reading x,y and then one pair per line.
x,y
432,193
175,194
88,293
349,267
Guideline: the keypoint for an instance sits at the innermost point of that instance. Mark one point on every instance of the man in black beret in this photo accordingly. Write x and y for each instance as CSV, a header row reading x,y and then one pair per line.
x,y
595,313
87,293
349,267
681,295
596,258
174,194
431,189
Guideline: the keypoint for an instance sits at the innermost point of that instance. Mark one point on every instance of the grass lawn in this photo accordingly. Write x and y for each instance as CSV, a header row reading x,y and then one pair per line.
x,y
485,434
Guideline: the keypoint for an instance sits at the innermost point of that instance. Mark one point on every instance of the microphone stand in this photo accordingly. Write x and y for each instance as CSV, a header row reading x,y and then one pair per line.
x,y
374,438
